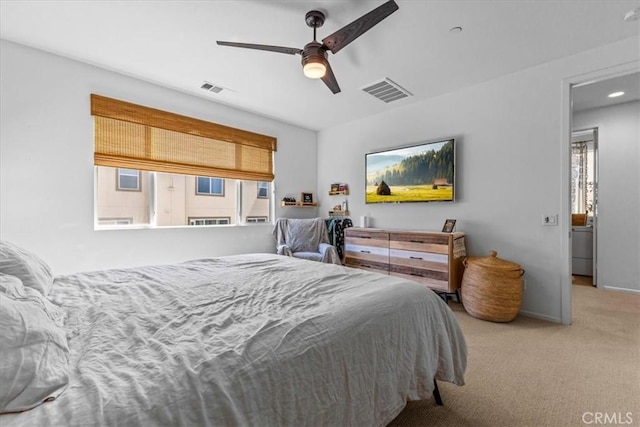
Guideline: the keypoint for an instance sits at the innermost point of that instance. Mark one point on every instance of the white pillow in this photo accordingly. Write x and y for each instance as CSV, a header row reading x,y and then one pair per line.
x,y
34,354
10,285
27,266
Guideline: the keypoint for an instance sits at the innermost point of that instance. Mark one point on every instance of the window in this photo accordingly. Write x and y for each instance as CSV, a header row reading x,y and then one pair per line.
x,y
257,219
263,190
114,221
159,158
210,186
583,175
169,200
209,221
128,180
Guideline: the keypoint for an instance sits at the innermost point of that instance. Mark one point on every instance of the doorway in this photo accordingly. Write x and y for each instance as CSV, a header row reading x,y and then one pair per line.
x,y
598,81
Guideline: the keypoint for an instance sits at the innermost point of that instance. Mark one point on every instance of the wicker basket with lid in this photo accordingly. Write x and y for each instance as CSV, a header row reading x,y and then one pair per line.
x,y
491,288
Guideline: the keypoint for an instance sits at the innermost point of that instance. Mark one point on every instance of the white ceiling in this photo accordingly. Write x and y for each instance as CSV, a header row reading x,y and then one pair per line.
x,y
595,95
173,43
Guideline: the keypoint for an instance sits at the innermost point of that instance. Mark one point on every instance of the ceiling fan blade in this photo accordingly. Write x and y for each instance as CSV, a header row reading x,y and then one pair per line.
x,y
352,31
330,79
279,49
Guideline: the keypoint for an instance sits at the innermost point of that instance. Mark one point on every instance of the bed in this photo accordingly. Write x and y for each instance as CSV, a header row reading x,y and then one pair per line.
x,y
247,340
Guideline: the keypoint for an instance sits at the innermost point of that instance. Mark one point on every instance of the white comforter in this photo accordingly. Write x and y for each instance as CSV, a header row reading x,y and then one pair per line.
x,y
251,340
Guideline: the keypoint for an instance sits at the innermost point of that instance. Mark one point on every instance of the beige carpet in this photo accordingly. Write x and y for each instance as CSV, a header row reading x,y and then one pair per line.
x,y
582,280
535,373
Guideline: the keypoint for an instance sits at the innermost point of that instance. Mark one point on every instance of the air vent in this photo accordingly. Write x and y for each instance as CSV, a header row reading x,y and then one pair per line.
x,y
387,90
211,87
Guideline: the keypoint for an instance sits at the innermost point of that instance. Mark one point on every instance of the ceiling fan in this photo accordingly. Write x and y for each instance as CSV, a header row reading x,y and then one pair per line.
x,y
314,55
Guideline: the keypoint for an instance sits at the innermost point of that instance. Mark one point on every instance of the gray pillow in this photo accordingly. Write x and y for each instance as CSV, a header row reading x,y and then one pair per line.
x,y
26,266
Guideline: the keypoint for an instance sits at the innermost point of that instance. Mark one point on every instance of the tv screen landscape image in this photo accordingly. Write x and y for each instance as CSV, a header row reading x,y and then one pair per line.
x,y
418,173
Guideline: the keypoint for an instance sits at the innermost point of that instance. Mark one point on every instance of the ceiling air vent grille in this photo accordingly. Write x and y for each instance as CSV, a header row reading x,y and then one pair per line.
x,y
387,90
211,87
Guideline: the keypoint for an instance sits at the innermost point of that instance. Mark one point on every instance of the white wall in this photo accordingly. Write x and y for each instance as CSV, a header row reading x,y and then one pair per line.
x,y
618,222
46,166
509,166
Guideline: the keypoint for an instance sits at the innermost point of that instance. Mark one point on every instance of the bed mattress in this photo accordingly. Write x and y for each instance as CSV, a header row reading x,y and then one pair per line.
x,y
250,340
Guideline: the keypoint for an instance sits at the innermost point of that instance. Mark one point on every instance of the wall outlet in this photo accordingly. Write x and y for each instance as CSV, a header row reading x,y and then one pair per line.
x,y
550,219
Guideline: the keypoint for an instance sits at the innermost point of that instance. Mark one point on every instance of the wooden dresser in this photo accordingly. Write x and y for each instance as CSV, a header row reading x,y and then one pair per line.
x,y
431,258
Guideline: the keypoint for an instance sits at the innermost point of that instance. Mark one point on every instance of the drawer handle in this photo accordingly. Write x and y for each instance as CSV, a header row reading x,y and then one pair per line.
x,y
365,252
416,241
415,257
416,274
365,237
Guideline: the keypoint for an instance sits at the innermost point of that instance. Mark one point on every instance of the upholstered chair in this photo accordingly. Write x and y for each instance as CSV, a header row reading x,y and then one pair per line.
x,y
304,238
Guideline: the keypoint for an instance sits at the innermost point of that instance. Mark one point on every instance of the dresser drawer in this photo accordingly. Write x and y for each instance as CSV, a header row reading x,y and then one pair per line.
x,y
420,242
376,267
421,260
367,241
366,253
433,283
367,237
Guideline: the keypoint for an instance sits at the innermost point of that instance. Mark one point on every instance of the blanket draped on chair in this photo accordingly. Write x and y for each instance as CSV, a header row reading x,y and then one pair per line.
x,y
304,238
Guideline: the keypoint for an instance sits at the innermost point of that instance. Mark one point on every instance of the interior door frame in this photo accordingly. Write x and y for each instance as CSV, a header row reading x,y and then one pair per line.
x,y
565,169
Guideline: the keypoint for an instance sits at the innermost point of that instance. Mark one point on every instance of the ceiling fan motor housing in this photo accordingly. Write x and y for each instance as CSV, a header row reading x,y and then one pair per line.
x,y
314,52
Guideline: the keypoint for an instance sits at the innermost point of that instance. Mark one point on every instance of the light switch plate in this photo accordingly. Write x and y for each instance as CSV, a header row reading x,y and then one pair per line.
x,y
550,220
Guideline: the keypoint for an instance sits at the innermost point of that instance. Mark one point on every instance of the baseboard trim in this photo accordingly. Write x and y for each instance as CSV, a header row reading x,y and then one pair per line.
x,y
540,316
613,288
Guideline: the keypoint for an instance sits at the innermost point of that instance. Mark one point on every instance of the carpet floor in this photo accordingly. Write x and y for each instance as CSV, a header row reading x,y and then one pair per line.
x,y
534,373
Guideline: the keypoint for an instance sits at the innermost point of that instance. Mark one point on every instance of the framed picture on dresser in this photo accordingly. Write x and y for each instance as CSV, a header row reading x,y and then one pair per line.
x,y
449,225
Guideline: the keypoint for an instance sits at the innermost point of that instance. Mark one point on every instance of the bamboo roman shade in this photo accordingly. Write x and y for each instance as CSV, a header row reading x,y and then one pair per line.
x,y
136,137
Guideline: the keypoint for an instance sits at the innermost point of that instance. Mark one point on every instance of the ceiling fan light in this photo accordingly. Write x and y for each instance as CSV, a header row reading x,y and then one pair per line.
x,y
314,70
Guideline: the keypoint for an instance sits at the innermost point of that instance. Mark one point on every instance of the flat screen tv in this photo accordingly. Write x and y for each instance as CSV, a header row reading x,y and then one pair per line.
x,y
423,172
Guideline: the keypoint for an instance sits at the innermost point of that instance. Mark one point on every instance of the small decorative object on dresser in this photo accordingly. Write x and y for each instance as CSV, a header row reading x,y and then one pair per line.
x,y
449,225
